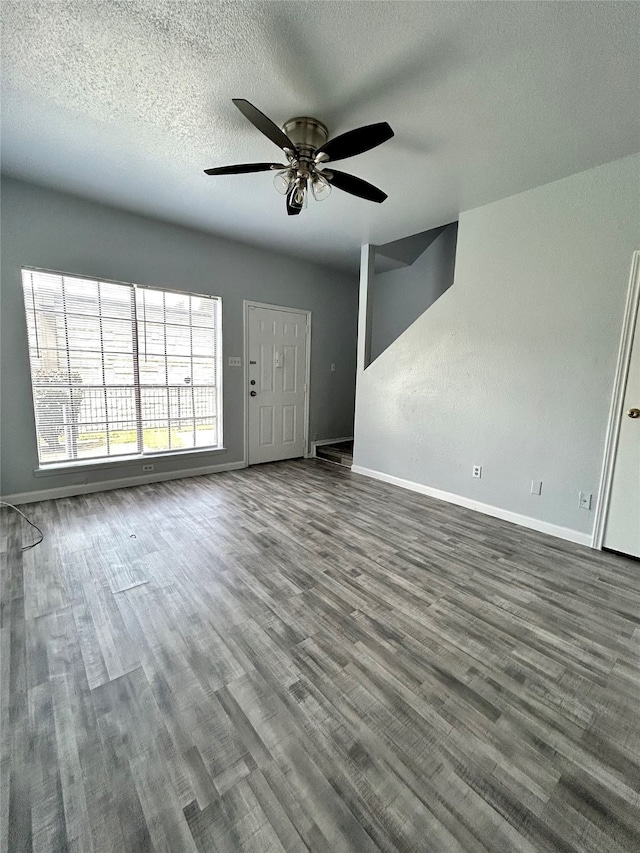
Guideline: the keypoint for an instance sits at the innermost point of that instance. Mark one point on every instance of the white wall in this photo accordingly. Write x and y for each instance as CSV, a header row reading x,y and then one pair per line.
x,y
44,228
513,367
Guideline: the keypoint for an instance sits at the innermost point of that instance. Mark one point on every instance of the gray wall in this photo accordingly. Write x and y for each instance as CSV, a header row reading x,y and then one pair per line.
x,y
513,367
401,296
43,228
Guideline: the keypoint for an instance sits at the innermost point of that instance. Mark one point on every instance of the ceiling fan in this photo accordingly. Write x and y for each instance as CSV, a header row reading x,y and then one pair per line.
x,y
304,142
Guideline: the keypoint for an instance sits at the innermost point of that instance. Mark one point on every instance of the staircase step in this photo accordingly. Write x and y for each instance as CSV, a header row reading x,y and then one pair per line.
x,y
340,453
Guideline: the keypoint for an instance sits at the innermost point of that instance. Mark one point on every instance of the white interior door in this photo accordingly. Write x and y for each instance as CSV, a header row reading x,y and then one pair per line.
x,y
277,351
622,530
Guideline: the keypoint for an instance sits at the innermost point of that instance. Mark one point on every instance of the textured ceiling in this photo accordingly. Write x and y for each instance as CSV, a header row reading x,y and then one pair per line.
x,y
127,102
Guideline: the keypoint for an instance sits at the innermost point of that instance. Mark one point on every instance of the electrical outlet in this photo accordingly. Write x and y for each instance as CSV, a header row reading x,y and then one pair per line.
x,y
477,471
536,487
585,500
234,361
147,468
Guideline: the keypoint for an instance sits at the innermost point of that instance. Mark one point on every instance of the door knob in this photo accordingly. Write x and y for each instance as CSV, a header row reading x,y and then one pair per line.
x,y
253,393
634,413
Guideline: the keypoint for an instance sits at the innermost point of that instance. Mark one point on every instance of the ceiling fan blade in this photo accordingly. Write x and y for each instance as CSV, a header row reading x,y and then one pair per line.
x,y
354,142
292,209
355,186
242,168
264,124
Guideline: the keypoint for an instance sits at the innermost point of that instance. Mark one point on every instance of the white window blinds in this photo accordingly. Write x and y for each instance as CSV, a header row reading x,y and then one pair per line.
x,y
178,369
120,370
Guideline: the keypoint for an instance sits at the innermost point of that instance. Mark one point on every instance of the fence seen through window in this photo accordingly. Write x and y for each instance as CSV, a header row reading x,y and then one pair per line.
x,y
121,370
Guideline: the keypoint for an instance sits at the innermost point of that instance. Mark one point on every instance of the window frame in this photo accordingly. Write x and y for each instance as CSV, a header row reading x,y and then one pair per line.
x,y
53,466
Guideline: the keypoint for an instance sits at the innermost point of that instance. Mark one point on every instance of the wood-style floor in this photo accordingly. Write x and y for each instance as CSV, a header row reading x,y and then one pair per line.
x,y
293,657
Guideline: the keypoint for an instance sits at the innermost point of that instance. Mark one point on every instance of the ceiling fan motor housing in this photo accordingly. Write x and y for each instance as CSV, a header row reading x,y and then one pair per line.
x,y
306,133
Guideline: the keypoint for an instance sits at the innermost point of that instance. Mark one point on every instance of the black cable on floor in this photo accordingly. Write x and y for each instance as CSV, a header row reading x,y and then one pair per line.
x,y
33,544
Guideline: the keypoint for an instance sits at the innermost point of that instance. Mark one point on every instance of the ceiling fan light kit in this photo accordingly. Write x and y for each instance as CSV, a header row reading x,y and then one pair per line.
x,y
307,147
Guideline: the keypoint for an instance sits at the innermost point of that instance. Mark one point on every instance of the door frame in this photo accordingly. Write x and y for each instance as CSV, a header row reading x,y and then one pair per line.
x,y
617,401
251,303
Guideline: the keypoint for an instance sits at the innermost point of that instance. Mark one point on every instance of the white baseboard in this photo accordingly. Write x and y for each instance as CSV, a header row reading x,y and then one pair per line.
x,y
504,514
323,441
120,483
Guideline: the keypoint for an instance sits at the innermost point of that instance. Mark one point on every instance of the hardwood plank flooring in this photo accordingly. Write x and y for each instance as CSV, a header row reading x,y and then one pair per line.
x,y
296,658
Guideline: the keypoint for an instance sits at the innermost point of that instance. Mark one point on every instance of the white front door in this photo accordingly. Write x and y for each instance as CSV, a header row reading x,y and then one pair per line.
x,y
277,350
622,530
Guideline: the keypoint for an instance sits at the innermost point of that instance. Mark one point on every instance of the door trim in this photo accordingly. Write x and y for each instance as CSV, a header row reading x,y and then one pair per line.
x,y
250,303
617,401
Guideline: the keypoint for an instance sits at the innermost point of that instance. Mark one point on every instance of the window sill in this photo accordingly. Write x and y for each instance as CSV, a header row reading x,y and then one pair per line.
x,y
57,468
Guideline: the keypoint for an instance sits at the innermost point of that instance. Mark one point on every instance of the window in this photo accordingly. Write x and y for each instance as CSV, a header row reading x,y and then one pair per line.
x,y
121,370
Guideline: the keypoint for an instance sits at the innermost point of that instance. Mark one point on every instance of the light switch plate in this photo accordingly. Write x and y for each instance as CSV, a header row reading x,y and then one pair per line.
x,y
234,361
585,500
